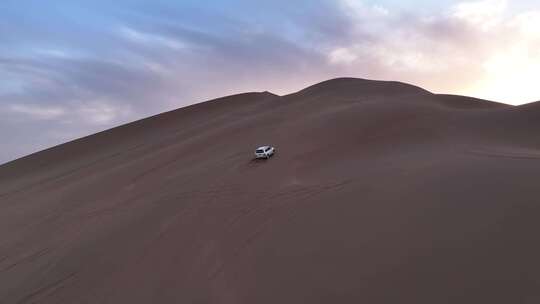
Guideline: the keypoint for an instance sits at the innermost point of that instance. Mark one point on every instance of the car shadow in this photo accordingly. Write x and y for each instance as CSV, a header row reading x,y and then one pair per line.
x,y
255,160
259,160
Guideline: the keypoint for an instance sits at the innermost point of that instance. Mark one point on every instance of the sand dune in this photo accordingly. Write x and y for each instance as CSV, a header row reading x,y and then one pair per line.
x,y
380,192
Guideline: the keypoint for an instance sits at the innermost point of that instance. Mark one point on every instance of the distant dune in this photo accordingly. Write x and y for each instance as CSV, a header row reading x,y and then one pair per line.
x,y
380,192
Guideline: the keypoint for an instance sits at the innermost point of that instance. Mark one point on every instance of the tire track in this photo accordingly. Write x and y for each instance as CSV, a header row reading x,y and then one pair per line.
x,y
26,259
46,290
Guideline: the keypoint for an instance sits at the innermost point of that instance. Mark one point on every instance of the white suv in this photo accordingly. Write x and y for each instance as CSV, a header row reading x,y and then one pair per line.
x,y
264,152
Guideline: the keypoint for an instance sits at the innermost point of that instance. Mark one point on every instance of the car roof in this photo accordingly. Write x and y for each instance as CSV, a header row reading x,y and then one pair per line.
x,y
263,147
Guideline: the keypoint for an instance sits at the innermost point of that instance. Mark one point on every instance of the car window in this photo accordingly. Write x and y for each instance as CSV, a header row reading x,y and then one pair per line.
x,y
259,151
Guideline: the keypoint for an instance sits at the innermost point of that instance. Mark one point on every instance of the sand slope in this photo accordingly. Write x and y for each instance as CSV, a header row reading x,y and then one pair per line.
x,y
381,192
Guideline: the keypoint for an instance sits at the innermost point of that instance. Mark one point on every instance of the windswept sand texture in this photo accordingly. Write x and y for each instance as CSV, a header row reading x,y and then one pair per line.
x,y
380,192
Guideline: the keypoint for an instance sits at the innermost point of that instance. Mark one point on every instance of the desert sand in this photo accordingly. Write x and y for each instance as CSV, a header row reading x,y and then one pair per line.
x,y
380,192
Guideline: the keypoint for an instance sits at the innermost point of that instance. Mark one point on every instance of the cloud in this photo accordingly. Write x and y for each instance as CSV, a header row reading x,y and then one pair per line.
x,y
102,113
37,111
152,39
528,24
484,14
342,56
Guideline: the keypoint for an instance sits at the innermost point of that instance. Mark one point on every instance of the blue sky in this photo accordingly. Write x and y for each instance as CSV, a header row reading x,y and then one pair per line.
x,y
72,68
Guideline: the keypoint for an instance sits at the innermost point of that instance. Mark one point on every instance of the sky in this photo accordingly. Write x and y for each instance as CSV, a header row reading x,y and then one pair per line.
x,y
70,68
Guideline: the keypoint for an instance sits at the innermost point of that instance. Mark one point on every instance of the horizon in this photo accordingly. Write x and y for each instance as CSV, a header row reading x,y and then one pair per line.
x,y
73,68
231,95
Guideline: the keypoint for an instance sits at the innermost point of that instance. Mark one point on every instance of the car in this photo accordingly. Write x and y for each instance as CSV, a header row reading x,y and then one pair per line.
x,y
264,152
